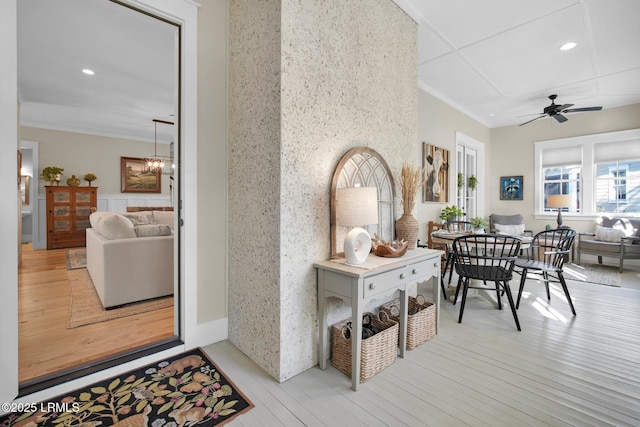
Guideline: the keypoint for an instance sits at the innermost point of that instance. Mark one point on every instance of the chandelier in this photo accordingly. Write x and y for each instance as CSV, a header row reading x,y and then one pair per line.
x,y
157,162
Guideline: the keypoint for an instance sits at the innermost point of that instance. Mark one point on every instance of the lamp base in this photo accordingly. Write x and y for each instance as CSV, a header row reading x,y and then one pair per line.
x,y
357,246
559,220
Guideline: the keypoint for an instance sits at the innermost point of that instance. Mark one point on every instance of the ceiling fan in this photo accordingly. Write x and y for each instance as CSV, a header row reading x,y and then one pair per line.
x,y
554,111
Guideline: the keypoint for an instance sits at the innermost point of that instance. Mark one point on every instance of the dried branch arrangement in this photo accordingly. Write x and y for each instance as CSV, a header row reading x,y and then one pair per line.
x,y
411,180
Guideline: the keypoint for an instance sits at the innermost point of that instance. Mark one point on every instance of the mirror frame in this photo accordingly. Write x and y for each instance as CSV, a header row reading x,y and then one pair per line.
x,y
364,166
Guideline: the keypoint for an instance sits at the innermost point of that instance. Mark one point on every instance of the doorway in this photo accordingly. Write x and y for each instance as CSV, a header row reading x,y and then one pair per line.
x,y
470,175
58,108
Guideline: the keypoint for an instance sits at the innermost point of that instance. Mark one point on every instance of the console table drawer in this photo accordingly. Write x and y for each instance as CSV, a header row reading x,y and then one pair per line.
x,y
423,270
384,281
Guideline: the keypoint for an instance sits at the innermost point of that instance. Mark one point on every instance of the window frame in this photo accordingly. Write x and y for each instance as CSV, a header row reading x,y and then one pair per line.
x,y
587,144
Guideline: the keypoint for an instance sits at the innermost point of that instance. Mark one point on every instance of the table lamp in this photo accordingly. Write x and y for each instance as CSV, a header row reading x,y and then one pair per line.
x,y
559,201
356,207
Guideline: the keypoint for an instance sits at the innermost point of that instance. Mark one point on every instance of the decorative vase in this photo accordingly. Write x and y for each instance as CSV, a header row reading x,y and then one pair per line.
x,y
73,181
407,229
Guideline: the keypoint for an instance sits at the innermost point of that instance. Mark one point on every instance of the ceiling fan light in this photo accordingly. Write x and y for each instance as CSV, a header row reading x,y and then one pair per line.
x,y
568,46
88,71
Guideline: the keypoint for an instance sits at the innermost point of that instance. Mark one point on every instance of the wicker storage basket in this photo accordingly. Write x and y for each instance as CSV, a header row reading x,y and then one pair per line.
x,y
377,352
421,326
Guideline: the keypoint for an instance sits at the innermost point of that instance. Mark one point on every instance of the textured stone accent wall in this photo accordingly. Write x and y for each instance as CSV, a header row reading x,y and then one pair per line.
x,y
316,78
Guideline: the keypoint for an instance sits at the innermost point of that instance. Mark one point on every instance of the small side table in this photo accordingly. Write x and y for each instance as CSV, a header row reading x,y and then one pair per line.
x,y
377,277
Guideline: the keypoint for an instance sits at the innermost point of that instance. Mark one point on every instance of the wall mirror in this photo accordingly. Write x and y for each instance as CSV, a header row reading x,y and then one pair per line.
x,y
110,112
364,167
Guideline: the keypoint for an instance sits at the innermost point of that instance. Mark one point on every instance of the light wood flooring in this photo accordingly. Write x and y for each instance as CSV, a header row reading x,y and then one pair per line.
x,y
46,346
559,371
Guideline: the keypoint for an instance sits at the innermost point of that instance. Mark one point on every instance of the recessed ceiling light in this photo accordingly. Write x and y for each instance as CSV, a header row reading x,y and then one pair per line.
x,y
568,46
88,71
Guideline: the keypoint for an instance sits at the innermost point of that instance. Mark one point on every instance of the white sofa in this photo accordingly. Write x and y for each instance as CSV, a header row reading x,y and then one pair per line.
x,y
130,256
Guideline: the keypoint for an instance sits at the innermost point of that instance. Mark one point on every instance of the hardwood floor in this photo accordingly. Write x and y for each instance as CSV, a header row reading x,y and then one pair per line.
x,y
559,371
46,346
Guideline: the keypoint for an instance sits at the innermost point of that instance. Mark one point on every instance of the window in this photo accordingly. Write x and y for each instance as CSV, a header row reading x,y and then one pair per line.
x,y
601,173
562,180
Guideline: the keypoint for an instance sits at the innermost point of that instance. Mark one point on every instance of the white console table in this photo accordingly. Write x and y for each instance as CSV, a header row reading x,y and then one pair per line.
x,y
376,278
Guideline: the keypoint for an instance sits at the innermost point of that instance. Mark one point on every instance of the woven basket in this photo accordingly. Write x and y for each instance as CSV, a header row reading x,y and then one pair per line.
x,y
377,352
421,326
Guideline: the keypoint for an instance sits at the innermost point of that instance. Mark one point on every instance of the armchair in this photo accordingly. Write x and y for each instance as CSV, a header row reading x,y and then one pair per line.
x,y
508,224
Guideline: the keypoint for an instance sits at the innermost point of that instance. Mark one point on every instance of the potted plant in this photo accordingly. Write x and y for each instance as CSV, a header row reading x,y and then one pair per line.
x,y
479,224
90,177
473,182
460,180
451,212
51,174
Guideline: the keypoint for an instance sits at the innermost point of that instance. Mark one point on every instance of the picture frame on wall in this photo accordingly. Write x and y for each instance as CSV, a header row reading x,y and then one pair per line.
x,y
137,177
435,161
511,187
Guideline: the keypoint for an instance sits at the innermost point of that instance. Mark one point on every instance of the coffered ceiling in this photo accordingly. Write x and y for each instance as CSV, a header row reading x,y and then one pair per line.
x,y
495,60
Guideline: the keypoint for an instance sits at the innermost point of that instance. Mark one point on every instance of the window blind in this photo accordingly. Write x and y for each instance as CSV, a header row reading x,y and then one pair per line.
x,y
571,155
616,150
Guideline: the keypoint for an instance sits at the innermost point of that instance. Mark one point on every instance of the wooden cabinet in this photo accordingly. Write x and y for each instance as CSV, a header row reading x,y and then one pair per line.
x,y
68,210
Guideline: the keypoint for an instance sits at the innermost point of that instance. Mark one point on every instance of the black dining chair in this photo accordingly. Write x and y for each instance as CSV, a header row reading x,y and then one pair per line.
x,y
547,254
486,258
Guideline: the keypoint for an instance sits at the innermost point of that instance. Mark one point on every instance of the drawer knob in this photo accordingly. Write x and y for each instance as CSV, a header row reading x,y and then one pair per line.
x,y
435,264
402,275
415,271
372,286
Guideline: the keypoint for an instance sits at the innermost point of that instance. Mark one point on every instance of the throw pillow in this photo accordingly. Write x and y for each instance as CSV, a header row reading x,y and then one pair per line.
x,y
605,234
163,217
151,230
515,230
116,226
139,219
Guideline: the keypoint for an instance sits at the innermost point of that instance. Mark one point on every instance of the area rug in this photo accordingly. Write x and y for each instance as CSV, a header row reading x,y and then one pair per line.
x,y
86,307
593,273
187,389
76,258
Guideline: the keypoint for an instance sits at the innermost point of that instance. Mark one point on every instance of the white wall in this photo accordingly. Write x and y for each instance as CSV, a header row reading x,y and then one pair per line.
x,y
437,125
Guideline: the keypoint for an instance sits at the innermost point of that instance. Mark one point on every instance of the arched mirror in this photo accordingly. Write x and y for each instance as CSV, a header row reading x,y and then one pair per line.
x,y
99,82
364,167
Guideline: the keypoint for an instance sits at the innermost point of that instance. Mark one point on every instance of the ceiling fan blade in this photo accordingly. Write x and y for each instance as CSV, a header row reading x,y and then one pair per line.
x,y
539,117
563,107
560,118
576,110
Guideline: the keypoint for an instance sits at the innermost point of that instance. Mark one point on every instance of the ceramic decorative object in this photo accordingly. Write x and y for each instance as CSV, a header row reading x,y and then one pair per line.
x,y
90,177
73,181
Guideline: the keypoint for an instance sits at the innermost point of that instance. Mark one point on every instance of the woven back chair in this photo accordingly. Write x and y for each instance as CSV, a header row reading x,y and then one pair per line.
x,y
485,258
547,254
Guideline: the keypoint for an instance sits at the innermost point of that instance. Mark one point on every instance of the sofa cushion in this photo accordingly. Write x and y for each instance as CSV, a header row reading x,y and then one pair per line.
x,y
139,218
163,217
512,229
151,230
609,234
116,226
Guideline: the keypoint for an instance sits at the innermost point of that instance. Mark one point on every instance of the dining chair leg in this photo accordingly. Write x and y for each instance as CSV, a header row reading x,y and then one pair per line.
x,y
455,298
566,291
523,278
444,290
545,276
464,298
507,291
498,290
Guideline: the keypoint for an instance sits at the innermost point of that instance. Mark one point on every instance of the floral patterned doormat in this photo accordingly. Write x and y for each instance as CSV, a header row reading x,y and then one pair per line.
x,y
185,390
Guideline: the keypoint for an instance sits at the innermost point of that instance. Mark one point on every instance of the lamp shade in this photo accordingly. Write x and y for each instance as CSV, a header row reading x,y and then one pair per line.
x,y
356,206
559,201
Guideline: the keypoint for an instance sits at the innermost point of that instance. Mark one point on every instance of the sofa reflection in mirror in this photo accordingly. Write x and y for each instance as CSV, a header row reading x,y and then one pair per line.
x,y
130,256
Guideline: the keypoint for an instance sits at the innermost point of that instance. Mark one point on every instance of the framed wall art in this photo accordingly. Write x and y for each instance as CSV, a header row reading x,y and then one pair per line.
x,y
435,161
511,187
137,177
24,188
